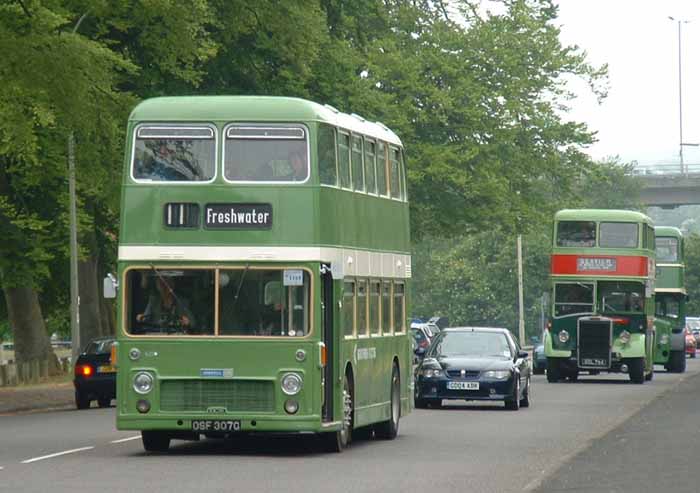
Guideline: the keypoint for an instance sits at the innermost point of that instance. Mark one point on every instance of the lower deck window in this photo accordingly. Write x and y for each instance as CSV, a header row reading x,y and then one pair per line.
x,y
573,298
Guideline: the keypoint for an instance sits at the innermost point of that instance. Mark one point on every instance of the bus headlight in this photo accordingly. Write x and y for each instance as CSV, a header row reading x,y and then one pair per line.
x,y
624,337
664,339
563,337
291,384
143,382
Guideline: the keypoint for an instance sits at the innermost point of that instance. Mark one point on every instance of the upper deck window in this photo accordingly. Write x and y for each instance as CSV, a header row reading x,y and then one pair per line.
x,y
266,154
666,249
619,235
174,153
576,234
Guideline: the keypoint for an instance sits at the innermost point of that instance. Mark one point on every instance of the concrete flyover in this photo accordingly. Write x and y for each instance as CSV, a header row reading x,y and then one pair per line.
x,y
667,186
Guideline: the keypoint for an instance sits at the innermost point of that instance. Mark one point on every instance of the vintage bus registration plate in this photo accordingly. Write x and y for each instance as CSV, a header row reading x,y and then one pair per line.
x,y
216,425
463,385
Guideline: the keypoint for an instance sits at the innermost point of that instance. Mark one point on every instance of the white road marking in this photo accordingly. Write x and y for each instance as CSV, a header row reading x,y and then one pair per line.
x,y
126,439
35,459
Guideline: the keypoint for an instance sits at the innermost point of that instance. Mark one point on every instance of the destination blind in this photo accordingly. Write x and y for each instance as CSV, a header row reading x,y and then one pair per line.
x,y
238,216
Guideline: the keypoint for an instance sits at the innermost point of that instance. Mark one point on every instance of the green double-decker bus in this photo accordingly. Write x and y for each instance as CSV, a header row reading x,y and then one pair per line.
x,y
670,295
264,272
602,274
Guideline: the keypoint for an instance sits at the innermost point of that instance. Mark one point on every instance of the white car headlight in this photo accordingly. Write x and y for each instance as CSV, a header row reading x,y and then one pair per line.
x,y
624,337
563,337
497,374
291,383
143,383
430,373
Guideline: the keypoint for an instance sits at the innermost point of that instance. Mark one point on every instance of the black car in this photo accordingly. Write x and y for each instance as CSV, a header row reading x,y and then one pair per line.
x,y
474,364
95,377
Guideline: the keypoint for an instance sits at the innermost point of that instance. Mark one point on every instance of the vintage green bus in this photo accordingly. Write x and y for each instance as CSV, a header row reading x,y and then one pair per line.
x,y
264,272
670,297
602,274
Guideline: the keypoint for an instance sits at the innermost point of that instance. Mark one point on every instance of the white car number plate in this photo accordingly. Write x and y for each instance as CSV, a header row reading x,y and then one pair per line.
x,y
463,385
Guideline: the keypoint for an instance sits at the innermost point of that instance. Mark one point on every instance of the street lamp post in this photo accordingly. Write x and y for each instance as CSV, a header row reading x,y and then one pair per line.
x,y
684,171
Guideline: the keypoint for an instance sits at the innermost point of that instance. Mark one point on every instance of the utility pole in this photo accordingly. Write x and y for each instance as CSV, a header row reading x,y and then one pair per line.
x,y
74,296
521,312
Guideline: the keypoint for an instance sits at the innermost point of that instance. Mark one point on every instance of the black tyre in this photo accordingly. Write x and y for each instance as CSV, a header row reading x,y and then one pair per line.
x,y
525,401
337,441
573,376
676,362
538,371
553,372
390,428
636,369
421,403
155,441
104,401
82,401
649,376
435,403
513,403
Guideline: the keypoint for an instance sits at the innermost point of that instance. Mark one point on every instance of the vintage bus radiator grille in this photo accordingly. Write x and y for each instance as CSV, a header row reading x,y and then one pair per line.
x,y
594,343
234,395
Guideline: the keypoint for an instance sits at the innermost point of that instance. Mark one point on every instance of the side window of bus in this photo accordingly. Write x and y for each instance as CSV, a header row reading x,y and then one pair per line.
x,y
327,162
395,174
348,316
375,323
370,171
402,168
362,329
576,234
358,174
386,308
381,169
344,159
399,305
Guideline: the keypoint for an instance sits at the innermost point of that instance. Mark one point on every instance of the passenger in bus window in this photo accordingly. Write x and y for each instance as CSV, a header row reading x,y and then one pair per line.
x,y
165,309
297,164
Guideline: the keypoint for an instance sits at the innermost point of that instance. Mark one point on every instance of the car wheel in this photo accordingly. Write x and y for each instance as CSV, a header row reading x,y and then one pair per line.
x,y
104,401
82,401
337,441
513,403
155,441
435,403
573,376
389,429
636,369
525,401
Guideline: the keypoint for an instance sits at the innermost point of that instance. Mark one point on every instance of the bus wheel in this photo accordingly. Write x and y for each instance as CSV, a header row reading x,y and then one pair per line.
x,y
649,376
389,429
636,369
337,441
676,362
155,441
553,373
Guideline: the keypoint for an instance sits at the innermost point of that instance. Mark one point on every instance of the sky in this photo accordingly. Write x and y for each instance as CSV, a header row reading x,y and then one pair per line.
x,y
638,121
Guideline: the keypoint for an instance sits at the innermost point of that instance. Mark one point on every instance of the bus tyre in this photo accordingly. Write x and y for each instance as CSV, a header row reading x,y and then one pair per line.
x,y
155,441
636,369
573,376
388,430
676,362
81,400
337,441
649,376
553,373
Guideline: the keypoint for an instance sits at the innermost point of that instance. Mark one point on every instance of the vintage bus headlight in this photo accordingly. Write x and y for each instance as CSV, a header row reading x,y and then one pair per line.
x,y
664,339
624,337
143,382
563,337
291,384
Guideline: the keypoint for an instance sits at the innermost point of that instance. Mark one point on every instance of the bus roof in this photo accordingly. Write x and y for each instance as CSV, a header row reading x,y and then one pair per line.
x,y
668,231
602,215
254,109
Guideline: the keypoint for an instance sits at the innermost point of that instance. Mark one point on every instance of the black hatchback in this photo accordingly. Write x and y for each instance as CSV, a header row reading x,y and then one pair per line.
x,y
95,377
474,364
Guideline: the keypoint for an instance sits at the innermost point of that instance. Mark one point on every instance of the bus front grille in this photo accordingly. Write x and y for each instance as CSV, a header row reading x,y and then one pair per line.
x,y
233,395
594,340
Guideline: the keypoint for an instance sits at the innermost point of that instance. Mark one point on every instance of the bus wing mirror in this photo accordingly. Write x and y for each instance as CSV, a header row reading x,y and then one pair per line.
x,y
110,286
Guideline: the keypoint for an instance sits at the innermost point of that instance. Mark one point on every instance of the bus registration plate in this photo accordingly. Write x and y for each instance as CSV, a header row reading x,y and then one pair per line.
x,y
463,385
216,425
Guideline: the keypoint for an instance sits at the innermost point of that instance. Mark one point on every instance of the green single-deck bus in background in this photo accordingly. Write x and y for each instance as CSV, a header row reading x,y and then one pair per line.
x,y
602,274
264,272
670,297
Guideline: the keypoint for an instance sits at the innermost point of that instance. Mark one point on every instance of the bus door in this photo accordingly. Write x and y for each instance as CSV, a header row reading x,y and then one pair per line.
x,y
327,313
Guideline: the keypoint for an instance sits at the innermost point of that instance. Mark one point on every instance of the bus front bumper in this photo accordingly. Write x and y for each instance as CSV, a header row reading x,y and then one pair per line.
x,y
263,423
